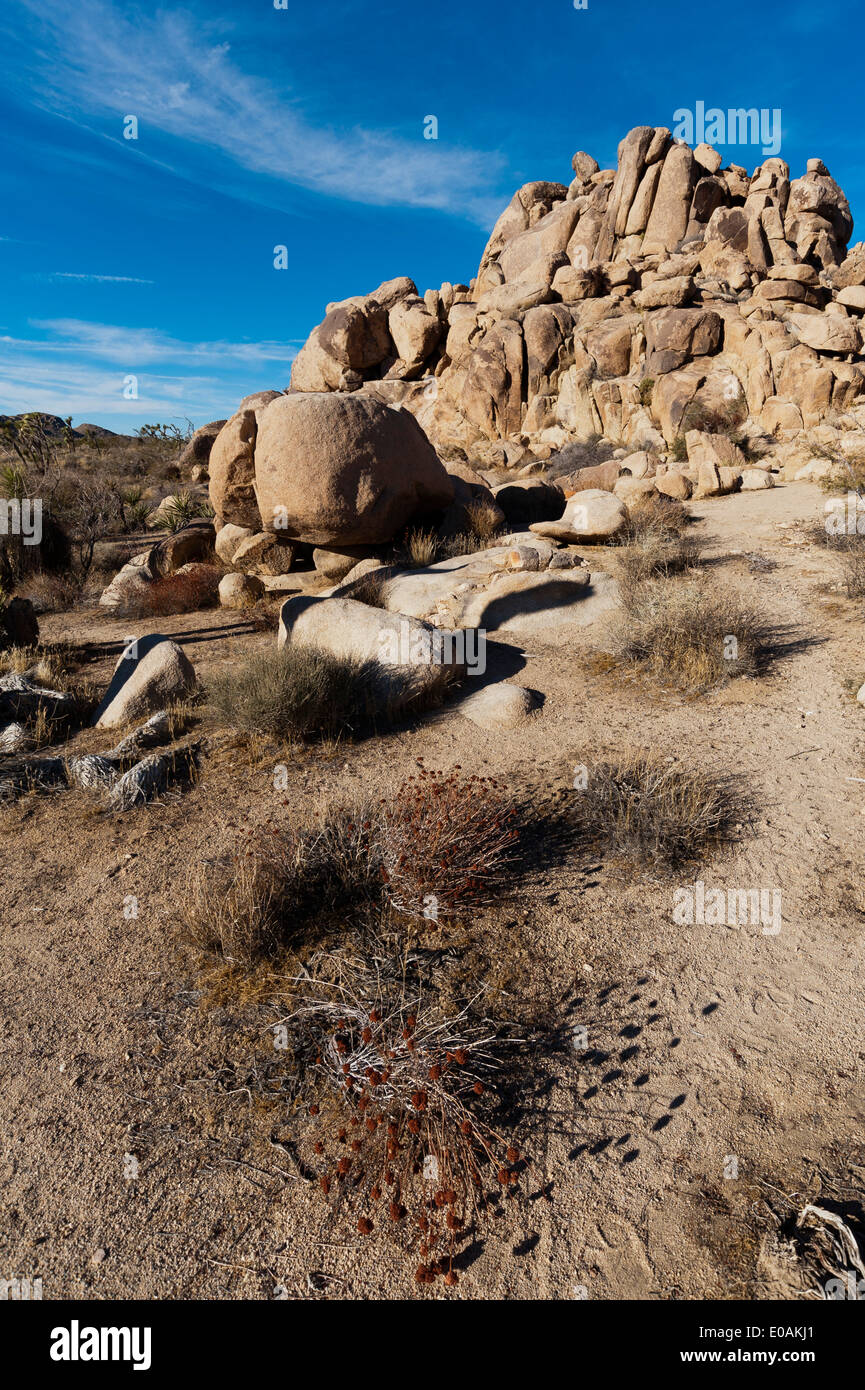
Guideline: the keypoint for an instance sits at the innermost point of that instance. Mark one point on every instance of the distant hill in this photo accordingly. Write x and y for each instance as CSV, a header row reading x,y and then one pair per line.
x,y
54,426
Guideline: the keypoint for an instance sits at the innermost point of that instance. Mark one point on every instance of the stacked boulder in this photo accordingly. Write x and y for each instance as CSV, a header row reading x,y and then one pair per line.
x,y
634,303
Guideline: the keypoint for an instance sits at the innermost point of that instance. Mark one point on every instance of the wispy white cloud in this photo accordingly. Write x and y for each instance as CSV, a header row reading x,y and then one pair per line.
x,y
83,390
107,342
164,69
81,368
93,279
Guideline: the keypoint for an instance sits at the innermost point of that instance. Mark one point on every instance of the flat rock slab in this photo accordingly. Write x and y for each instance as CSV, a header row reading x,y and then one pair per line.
x,y
591,515
525,602
287,583
439,589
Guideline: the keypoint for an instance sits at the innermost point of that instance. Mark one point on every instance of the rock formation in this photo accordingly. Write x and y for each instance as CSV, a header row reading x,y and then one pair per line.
x,y
632,303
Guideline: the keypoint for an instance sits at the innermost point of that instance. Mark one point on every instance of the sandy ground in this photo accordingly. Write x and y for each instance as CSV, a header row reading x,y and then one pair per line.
x,y
134,1153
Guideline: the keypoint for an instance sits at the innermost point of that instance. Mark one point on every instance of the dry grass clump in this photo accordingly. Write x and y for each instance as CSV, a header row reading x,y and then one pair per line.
x,y
690,636
646,808
485,521
403,1105
232,906
467,543
655,541
419,549
439,846
303,692
850,550
654,516
275,884
44,665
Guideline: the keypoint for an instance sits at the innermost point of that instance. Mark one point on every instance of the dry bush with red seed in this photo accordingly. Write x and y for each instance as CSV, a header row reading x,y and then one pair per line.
x,y
440,845
186,591
446,843
405,1111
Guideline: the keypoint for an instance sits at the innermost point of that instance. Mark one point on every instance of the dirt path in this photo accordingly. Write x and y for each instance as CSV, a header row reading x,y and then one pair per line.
x,y
712,1050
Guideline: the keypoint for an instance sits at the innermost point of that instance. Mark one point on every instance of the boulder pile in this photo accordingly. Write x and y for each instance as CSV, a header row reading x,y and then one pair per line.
x,y
635,303
703,326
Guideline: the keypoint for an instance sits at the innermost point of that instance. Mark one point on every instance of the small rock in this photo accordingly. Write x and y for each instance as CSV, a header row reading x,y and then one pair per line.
x,y
152,672
499,706
522,557
228,539
754,479
239,590
674,485
264,553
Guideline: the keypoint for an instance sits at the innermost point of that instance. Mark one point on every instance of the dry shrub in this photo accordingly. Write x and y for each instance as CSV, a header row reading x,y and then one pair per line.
x,y
445,843
655,541
850,550
182,592
403,1105
647,808
853,567
440,845
721,418
847,474
690,636
484,520
306,692
53,593
581,453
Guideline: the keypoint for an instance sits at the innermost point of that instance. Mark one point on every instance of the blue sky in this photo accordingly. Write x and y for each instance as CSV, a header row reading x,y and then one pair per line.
x,y
304,127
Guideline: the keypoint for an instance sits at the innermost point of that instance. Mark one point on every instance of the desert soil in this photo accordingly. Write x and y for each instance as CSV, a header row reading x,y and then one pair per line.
x,y
136,1156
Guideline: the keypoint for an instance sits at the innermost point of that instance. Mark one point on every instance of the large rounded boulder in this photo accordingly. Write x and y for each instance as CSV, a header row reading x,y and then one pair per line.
x,y
337,470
